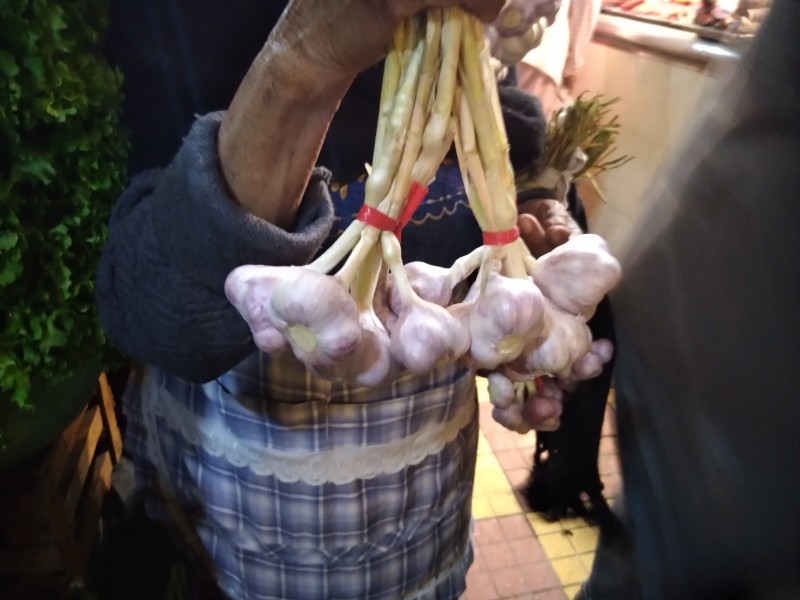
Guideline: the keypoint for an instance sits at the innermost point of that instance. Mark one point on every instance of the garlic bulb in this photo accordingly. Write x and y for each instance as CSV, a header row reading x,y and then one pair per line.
x,y
512,418
316,315
503,319
269,340
377,361
502,392
568,339
426,335
590,365
577,274
542,410
249,289
371,363
520,407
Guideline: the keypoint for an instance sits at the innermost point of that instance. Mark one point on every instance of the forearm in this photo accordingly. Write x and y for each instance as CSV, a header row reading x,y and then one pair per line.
x,y
271,135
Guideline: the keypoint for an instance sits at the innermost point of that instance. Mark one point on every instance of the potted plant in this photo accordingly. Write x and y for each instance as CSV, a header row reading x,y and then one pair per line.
x,y
62,164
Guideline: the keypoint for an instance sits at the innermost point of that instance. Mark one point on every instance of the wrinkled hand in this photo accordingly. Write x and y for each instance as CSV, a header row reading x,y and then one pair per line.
x,y
294,87
544,225
518,16
347,36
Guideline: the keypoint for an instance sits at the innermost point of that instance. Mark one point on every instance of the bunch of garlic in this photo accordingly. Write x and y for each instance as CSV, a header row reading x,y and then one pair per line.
x,y
376,317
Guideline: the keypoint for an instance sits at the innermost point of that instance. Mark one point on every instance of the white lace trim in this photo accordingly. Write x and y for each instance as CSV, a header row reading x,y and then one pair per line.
x,y
338,466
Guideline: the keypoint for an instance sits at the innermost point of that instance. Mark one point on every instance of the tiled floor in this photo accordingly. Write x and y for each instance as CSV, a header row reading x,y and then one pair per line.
x,y
519,554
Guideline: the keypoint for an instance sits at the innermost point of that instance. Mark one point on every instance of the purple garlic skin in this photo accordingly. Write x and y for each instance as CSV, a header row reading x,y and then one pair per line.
x,y
371,363
431,283
503,319
543,410
501,390
512,418
590,365
603,349
578,274
426,335
543,413
377,362
568,340
317,316
249,288
269,340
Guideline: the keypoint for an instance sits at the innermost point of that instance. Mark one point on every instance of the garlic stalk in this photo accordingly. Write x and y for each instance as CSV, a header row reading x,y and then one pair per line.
x,y
436,284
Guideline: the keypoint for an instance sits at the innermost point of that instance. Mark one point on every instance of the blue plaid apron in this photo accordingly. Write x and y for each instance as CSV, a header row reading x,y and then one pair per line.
x,y
294,487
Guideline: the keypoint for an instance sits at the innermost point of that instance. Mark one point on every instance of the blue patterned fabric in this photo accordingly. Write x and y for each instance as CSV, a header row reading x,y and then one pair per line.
x,y
295,487
441,230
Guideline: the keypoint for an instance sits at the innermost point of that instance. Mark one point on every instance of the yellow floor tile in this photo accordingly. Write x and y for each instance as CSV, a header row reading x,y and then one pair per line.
x,y
488,462
527,441
483,445
494,481
556,545
504,504
481,508
483,389
588,560
568,545
572,523
584,539
570,570
542,526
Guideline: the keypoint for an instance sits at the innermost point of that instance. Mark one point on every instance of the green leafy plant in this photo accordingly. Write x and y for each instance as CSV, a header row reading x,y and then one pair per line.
x,y
588,125
62,164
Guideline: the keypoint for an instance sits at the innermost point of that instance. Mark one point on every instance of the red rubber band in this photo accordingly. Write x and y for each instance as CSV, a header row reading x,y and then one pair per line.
x,y
416,195
372,216
539,383
500,238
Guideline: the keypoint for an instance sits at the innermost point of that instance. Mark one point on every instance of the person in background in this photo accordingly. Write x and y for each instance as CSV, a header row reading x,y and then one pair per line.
x,y
707,329
564,479
250,125
548,71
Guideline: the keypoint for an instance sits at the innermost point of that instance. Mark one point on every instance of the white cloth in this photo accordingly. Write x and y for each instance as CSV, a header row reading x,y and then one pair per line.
x,y
563,45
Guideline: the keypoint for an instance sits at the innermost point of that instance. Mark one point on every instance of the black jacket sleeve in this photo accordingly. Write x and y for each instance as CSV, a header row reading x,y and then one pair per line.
x,y
174,236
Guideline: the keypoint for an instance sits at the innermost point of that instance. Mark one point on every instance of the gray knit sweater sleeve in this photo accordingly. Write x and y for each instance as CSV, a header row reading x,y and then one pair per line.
x,y
175,234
